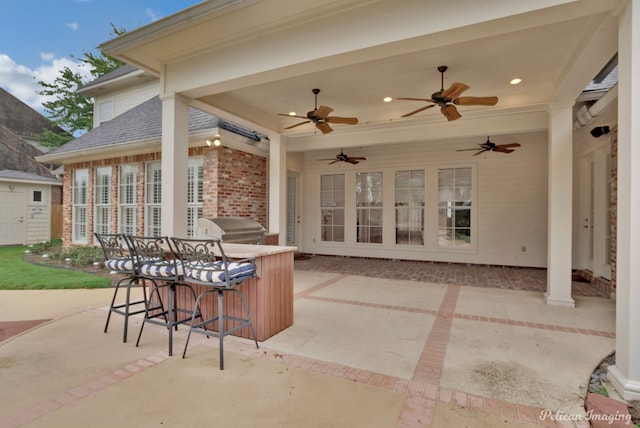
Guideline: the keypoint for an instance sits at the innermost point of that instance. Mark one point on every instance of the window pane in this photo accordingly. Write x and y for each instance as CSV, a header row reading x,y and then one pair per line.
x,y
369,203
332,207
410,195
194,194
455,210
79,212
128,199
102,200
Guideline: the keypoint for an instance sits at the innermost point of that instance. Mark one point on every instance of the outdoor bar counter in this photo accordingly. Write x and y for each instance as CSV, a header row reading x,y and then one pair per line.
x,y
269,297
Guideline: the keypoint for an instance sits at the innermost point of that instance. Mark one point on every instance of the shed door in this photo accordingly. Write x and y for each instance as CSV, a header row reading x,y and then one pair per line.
x,y
12,216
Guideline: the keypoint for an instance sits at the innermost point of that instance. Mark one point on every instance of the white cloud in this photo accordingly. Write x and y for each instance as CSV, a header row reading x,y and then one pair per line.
x,y
73,25
22,82
47,56
152,14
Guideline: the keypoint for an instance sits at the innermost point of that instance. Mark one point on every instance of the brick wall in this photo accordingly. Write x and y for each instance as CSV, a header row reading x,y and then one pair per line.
x,y
614,204
234,184
242,185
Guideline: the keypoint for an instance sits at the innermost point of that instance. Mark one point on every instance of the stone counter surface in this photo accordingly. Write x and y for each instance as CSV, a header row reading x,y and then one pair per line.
x,y
249,250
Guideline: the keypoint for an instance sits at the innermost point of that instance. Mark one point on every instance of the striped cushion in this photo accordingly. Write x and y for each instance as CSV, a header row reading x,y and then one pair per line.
x,y
214,272
162,269
119,265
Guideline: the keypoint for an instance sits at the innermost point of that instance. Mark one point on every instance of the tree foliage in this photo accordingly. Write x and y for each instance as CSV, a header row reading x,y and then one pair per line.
x,y
71,111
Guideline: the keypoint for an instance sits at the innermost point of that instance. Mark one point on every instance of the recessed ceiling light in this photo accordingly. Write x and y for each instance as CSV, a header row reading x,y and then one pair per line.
x,y
387,99
292,113
515,81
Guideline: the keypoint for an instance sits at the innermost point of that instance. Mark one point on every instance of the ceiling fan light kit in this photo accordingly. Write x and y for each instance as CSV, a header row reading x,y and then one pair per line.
x,y
320,117
489,146
341,157
448,98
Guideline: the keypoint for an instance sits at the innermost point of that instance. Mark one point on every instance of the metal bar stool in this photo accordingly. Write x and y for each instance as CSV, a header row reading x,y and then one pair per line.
x,y
206,264
156,263
118,258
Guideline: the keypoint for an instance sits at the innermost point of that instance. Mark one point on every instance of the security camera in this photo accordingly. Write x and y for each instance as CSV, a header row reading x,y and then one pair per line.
x,y
599,131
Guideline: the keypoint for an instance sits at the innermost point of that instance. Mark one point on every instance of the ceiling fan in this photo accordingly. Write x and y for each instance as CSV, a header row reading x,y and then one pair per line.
x,y
341,157
320,116
492,147
448,98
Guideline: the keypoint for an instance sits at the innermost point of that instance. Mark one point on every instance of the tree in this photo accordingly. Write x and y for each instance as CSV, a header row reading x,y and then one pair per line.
x,y
70,110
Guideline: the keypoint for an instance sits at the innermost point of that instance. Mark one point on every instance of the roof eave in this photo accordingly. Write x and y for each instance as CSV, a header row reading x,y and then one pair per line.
x,y
169,24
120,149
29,181
93,90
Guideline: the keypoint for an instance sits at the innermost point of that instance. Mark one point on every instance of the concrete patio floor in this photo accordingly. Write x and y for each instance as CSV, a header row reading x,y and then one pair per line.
x,y
363,352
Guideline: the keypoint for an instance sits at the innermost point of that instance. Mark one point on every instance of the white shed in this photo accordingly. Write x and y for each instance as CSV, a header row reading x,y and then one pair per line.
x,y
26,207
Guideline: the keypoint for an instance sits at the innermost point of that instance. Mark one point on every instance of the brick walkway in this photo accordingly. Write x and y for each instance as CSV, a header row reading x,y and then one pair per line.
x,y
504,277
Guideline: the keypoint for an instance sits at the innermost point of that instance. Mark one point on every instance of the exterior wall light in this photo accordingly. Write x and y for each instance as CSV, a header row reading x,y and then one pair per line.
x,y
215,141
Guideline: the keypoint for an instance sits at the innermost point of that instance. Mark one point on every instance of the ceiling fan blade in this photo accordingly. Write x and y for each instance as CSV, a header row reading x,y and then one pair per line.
x,y
338,119
502,149
429,100
466,150
419,110
323,111
480,152
330,163
450,112
508,145
297,124
476,101
357,158
324,127
455,90
288,115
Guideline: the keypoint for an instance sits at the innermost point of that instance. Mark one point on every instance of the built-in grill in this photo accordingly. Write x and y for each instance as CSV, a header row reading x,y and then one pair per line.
x,y
239,230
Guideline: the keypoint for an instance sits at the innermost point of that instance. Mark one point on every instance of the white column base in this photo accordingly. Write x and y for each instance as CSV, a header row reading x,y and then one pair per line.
x,y
628,389
559,301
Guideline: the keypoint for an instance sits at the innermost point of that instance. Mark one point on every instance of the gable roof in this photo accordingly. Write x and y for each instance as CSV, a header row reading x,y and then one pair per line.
x,y
118,72
12,175
17,158
22,119
142,123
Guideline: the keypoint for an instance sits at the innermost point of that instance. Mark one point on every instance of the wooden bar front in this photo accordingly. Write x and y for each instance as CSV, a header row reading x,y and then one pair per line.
x,y
269,297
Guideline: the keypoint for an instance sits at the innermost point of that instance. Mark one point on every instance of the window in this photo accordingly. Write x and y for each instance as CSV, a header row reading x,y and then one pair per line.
x,y
410,198
369,207
102,200
37,196
153,209
105,111
454,207
332,207
128,199
194,194
79,211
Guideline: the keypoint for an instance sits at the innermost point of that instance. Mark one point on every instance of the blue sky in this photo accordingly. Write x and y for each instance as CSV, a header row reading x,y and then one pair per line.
x,y
39,37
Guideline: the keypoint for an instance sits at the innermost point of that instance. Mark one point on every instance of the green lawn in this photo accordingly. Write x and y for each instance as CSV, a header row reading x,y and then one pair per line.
x,y
16,274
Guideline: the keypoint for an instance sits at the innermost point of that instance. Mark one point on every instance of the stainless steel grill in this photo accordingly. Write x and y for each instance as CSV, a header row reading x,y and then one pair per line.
x,y
239,230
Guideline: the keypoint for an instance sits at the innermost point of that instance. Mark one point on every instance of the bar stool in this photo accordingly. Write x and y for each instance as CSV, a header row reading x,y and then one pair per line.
x,y
118,258
206,264
155,262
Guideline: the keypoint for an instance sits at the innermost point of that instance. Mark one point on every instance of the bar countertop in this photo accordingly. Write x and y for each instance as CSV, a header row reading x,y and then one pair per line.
x,y
243,251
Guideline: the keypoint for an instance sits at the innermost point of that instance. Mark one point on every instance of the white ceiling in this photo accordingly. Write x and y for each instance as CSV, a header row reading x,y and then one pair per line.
x,y
556,51
485,65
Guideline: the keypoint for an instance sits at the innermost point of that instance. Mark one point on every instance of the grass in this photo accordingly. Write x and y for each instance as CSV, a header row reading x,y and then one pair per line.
x,y
17,274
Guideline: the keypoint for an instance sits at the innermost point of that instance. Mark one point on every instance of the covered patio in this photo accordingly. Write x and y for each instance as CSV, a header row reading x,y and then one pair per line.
x,y
252,62
428,353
